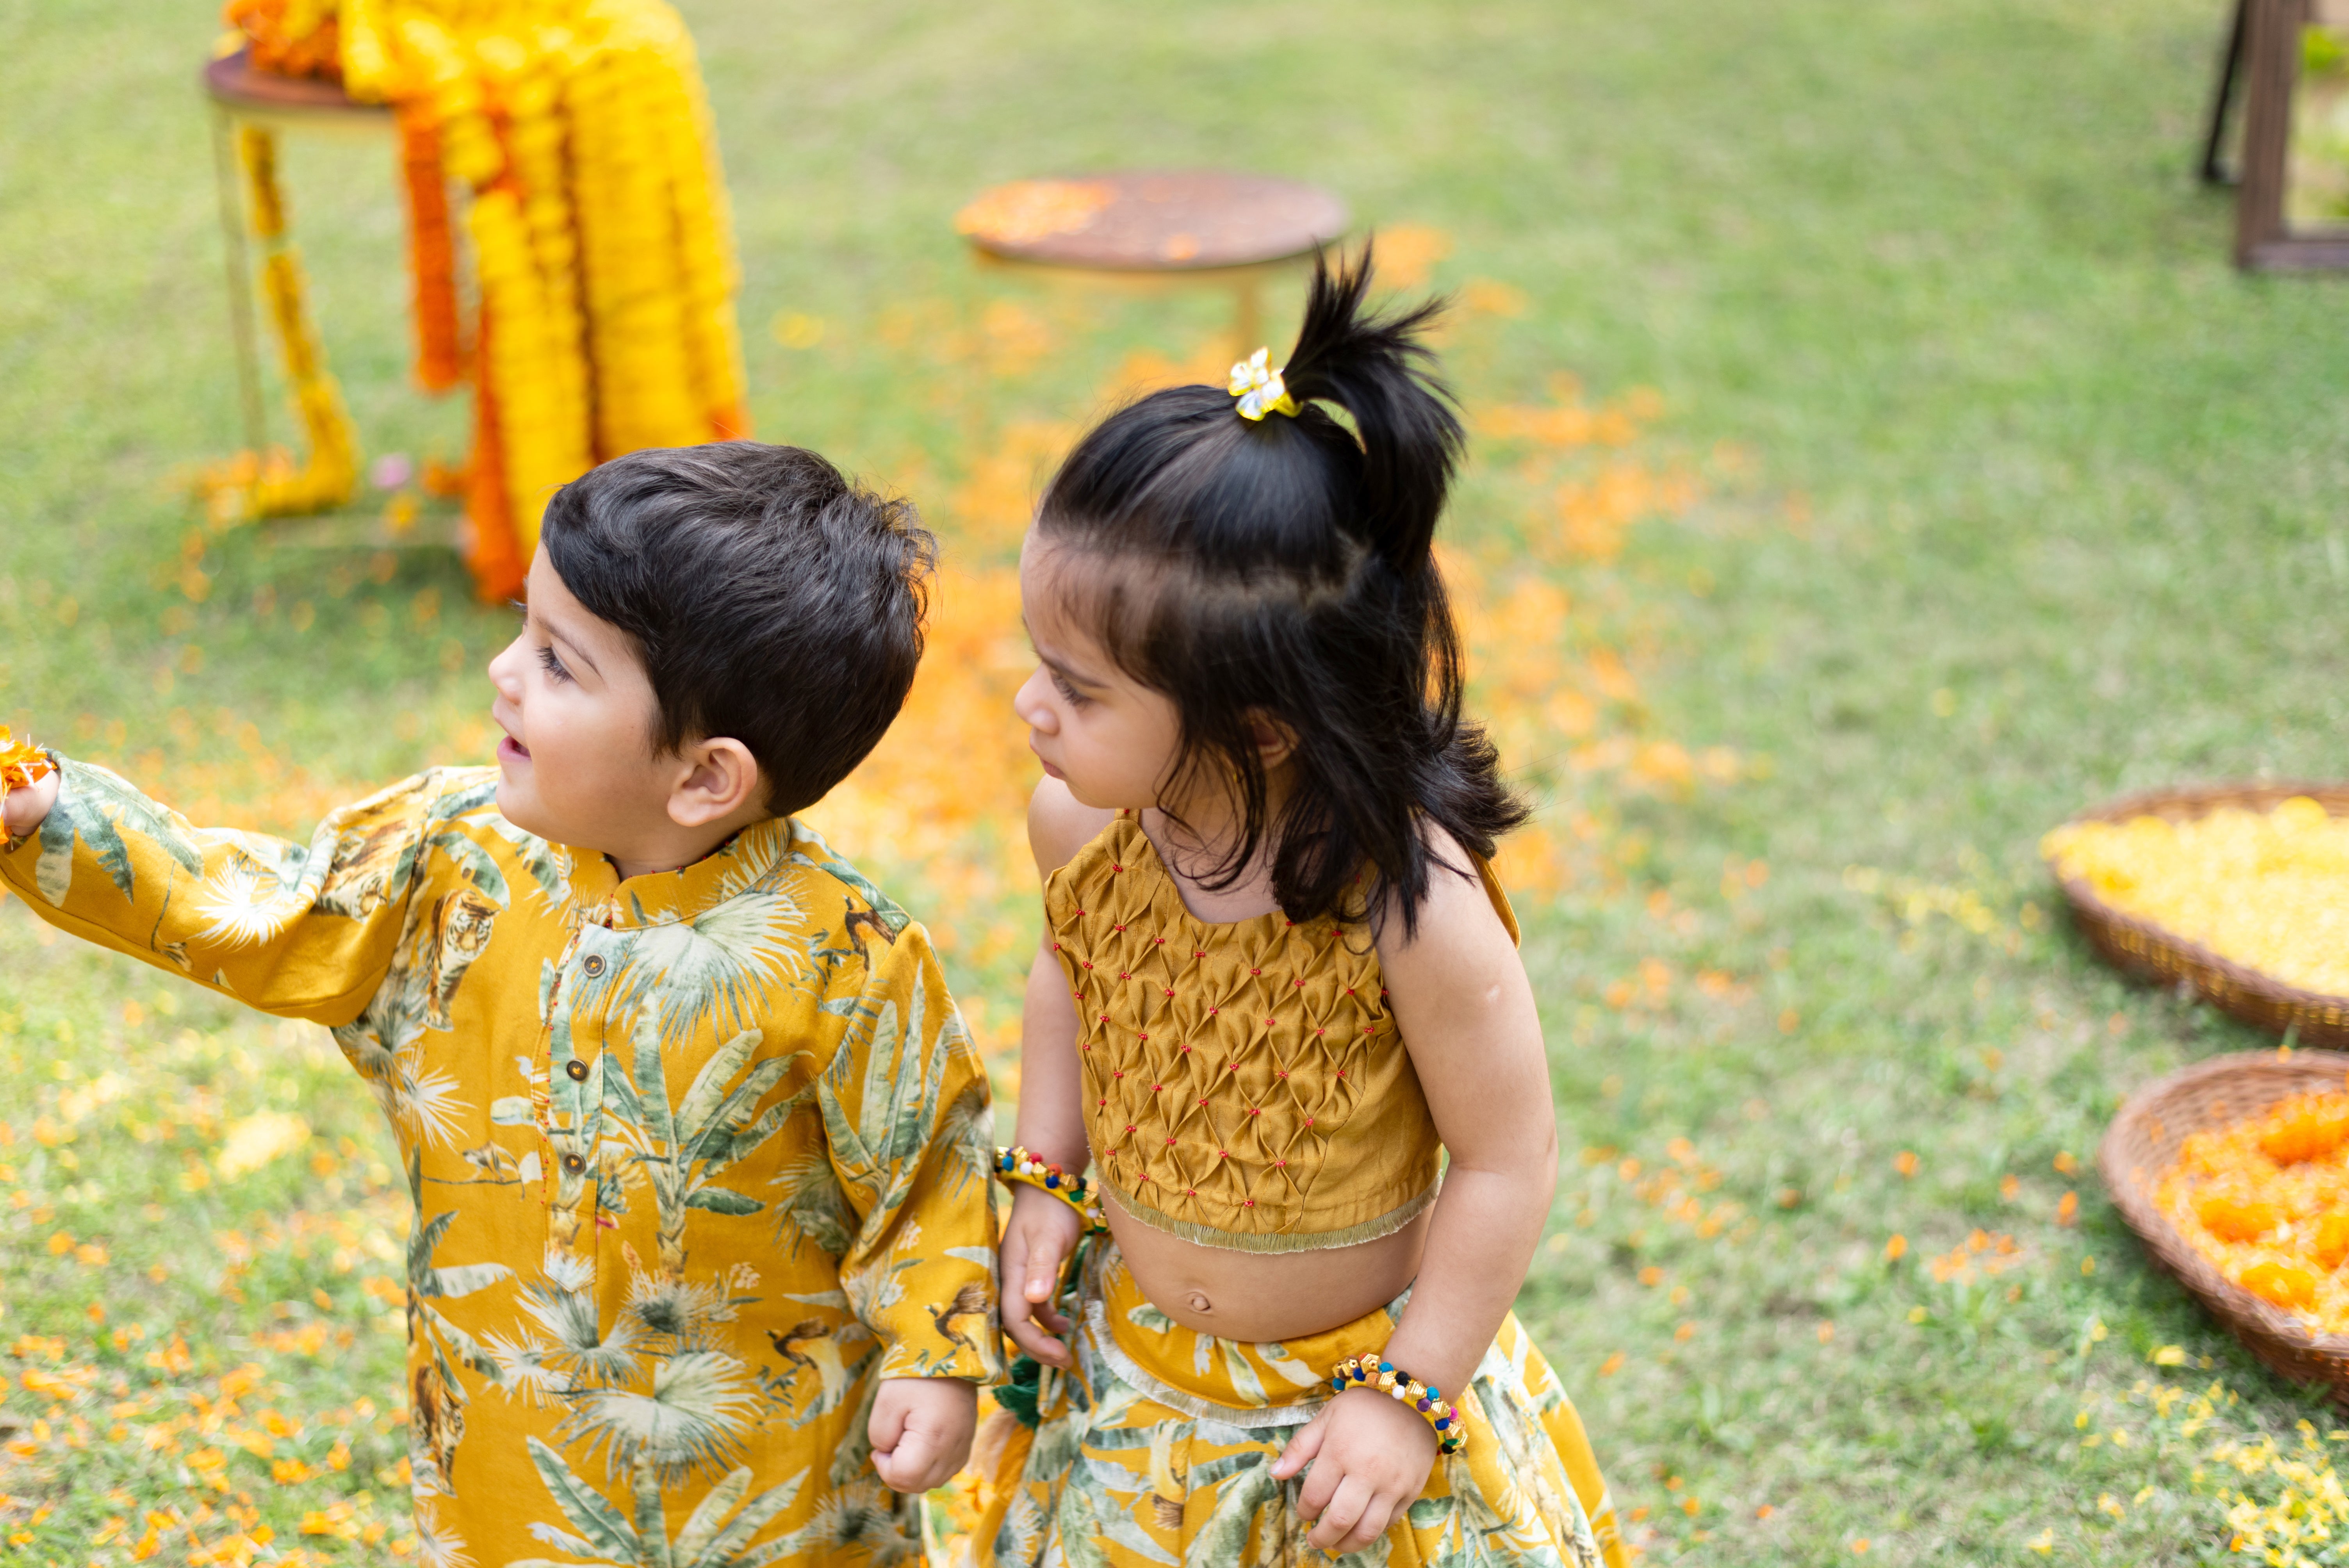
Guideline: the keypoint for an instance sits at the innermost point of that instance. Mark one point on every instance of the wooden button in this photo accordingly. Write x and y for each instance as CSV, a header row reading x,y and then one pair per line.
x,y
594,965
574,1163
577,1070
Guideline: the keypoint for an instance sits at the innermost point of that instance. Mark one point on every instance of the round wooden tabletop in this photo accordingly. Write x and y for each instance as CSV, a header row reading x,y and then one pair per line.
x,y
233,83
1167,220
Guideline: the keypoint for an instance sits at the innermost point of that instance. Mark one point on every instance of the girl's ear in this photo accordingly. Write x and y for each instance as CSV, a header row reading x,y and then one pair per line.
x,y
1274,741
718,778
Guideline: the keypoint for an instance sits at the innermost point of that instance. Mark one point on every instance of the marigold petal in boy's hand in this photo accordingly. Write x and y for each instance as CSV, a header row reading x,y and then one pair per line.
x,y
700,1145
28,785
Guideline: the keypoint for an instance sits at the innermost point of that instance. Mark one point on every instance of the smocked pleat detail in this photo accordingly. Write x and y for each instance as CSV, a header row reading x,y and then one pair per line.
x,y
1245,1083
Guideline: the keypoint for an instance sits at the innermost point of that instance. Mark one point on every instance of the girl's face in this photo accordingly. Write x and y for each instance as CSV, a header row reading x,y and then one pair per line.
x,y
1107,737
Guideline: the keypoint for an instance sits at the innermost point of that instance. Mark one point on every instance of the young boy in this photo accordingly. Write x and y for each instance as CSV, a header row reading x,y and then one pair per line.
x,y
703,1244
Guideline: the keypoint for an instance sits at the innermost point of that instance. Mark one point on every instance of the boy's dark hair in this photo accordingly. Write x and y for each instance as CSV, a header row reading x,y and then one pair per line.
x,y
1285,567
771,601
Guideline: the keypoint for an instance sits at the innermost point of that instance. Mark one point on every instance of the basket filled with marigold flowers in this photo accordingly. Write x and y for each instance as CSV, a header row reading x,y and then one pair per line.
x,y
2238,892
2235,1174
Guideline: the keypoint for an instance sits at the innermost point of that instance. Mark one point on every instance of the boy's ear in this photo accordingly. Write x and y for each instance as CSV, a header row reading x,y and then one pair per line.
x,y
720,777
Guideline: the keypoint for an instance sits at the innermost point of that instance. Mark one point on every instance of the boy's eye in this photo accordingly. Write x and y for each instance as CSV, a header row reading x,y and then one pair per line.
x,y
552,665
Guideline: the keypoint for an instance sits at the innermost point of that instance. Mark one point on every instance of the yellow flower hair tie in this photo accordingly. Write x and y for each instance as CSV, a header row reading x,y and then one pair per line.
x,y
1259,389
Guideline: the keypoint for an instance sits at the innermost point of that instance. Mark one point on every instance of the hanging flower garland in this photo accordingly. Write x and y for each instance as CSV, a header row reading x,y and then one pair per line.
x,y
600,237
270,484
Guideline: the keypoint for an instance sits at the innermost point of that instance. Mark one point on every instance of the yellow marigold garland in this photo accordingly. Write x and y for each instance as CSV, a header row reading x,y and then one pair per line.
x,y
257,484
600,232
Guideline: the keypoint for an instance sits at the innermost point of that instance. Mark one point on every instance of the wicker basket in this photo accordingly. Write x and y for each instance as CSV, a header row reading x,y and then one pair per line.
x,y
2142,1143
2140,948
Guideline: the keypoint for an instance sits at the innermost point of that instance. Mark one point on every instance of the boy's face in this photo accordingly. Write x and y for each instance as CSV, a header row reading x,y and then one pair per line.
x,y
578,765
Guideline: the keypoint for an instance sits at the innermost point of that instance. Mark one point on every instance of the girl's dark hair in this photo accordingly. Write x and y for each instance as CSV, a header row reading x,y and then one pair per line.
x,y
1284,568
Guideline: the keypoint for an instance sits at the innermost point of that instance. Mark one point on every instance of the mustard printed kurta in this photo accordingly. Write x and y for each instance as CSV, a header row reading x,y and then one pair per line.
x,y
697,1158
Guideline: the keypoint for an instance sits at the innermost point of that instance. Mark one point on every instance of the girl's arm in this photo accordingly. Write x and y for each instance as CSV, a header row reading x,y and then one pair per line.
x,y
1466,1011
1052,1126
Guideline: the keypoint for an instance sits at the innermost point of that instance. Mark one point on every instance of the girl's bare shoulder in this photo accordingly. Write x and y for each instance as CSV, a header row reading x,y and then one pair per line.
x,y
1459,924
1058,825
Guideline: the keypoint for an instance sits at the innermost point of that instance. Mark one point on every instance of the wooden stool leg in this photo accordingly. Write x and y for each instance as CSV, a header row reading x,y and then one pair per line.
x,y
227,183
1248,315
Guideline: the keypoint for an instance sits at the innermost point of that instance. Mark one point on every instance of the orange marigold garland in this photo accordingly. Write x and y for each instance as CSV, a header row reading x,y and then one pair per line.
x,y
2267,1201
291,38
432,252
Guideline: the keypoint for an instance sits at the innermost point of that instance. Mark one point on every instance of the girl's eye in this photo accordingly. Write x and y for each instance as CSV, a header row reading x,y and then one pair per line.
x,y
552,665
1069,694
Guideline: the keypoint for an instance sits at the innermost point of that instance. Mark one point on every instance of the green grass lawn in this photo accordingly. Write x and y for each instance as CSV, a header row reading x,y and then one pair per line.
x,y
2014,495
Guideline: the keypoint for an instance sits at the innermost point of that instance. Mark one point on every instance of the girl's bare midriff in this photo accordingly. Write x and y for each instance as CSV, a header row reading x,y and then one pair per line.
x,y
1260,1297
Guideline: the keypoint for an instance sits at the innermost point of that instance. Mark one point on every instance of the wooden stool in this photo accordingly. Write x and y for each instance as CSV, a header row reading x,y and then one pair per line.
x,y
240,93
1158,229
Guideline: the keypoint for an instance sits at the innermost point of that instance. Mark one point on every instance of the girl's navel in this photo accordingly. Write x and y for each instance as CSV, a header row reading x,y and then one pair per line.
x,y
1198,1302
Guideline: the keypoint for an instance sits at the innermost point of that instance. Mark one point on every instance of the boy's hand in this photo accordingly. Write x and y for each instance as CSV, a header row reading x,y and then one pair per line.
x,y
26,809
921,1430
1043,1233
1371,1458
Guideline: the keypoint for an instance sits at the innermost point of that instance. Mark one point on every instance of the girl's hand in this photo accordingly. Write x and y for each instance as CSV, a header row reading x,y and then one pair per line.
x,y
1043,1233
1371,1458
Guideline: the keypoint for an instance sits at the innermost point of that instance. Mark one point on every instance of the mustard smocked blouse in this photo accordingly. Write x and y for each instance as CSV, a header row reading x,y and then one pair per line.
x,y
1245,1083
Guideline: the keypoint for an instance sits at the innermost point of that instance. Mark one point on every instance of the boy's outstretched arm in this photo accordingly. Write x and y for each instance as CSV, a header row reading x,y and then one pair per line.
x,y
303,932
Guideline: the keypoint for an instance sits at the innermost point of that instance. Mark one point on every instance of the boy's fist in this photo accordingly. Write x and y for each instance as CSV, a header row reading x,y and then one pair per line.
x,y
26,807
1043,1232
921,1430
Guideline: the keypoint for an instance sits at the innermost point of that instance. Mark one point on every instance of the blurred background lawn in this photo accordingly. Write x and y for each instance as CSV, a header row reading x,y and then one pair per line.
x,y
1878,460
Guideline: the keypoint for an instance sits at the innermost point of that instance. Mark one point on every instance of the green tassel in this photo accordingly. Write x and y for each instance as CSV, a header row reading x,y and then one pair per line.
x,y
1018,1395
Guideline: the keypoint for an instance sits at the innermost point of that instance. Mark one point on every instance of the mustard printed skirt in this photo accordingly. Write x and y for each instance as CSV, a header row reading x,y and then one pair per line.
x,y
1157,1449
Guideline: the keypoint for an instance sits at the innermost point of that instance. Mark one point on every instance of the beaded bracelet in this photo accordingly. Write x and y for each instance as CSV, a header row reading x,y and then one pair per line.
x,y
1017,1165
1373,1372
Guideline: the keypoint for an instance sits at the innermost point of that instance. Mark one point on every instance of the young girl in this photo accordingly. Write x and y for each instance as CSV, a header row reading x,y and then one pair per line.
x,y
1278,987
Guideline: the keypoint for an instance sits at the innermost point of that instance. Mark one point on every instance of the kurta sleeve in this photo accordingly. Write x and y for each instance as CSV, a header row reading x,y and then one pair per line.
x,y
304,933
911,1135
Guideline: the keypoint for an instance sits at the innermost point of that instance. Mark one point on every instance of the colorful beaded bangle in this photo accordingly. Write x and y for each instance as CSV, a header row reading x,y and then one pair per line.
x,y
1071,1187
1372,1372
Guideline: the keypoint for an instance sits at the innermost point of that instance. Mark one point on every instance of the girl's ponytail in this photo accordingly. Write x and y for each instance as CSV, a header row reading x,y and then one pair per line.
x,y
1262,560
1375,367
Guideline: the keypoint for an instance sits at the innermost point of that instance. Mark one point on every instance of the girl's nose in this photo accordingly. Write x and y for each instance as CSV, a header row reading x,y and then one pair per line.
x,y
1029,704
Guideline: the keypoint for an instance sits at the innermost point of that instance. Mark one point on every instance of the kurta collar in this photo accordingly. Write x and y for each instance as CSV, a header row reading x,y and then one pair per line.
x,y
665,897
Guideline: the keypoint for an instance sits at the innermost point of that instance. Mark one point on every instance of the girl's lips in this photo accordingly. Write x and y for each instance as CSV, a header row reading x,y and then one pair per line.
x,y
512,750
1049,771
